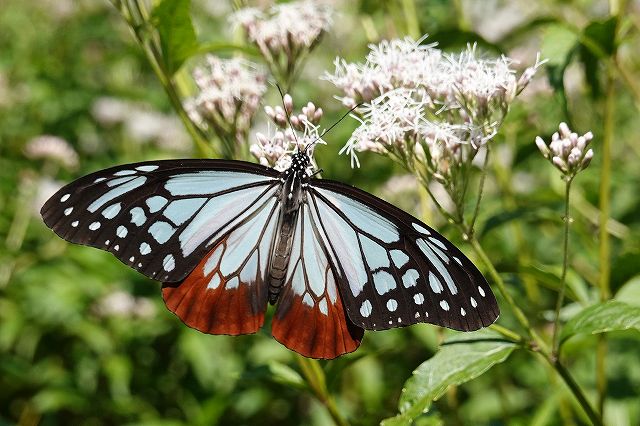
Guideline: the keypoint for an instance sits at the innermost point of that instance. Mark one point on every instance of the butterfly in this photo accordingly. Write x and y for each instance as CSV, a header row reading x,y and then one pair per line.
x,y
227,238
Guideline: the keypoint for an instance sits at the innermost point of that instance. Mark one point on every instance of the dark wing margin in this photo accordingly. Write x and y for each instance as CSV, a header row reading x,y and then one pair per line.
x,y
394,270
159,217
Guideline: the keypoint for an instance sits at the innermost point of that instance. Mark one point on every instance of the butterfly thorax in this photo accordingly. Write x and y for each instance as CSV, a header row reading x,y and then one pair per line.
x,y
291,196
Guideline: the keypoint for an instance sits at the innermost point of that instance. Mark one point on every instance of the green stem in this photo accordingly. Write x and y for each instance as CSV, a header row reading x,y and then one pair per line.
x,y
565,261
577,391
315,378
411,18
137,21
483,175
540,345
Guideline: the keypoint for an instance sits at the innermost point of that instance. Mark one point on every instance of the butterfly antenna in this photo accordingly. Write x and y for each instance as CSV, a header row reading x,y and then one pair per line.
x,y
334,125
286,114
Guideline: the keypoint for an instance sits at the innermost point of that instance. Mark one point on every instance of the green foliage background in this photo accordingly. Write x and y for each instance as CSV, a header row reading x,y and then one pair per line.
x,y
64,361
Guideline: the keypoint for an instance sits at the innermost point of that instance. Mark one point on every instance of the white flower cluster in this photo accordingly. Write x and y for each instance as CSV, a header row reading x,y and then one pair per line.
x,y
274,150
420,104
567,151
52,148
284,28
142,123
230,91
122,304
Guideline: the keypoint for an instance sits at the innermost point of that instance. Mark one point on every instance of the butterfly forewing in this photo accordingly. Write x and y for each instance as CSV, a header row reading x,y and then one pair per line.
x,y
161,218
394,270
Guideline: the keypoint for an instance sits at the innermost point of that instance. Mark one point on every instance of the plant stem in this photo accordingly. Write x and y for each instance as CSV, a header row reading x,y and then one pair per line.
x,y
137,21
315,378
565,261
483,175
577,391
540,345
604,252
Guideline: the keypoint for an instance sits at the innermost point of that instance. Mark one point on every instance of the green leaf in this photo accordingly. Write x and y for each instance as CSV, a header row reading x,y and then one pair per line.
x,y
598,40
283,374
557,44
172,19
458,361
601,318
630,292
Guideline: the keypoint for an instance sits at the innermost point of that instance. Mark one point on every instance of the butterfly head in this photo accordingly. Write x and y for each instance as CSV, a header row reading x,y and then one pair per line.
x,y
299,163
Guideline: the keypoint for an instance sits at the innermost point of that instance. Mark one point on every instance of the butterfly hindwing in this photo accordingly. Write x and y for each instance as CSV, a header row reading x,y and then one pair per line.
x,y
310,317
397,271
226,293
161,217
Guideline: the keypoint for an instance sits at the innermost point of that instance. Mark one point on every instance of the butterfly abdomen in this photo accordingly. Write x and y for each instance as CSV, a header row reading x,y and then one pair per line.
x,y
290,199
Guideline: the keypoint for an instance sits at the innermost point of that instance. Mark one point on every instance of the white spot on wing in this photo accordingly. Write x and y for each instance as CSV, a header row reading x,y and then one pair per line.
x,y
94,226
68,211
399,258
438,243
100,179
145,248
392,305
111,211
148,168
213,260
307,300
125,173
75,223
122,231
155,203
215,282
473,302
323,306
65,197
366,308
418,298
410,278
138,217
383,282
421,229
463,312
375,255
481,291
161,231
435,283
444,305
233,283
168,263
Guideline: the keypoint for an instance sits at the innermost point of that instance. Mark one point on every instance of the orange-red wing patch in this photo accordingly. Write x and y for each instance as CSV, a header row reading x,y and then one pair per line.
x,y
301,324
212,303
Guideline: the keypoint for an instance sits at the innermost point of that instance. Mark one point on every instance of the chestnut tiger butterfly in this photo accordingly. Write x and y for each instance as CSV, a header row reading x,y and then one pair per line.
x,y
227,238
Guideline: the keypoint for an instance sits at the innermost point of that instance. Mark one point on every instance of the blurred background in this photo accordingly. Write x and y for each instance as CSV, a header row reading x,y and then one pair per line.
x,y
85,340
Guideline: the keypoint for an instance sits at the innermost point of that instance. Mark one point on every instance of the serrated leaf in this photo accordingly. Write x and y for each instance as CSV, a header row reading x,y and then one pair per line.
x,y
458,361
178,41
601,318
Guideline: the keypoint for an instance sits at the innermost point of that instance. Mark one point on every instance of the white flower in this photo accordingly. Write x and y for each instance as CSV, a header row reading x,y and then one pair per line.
x,y
230,91
567,151
122,304
53,148
275,149
285,27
